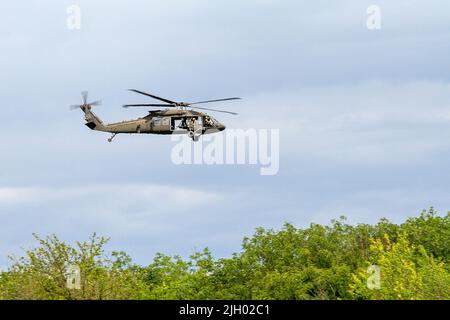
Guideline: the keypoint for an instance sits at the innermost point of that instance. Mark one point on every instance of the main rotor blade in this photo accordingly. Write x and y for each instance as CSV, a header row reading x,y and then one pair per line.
x,y
95,103
152,96
148,105
84,94
74,106
233,113
208,101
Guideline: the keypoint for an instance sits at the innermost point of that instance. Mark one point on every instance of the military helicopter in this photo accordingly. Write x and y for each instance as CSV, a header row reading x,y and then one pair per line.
x,y
176,118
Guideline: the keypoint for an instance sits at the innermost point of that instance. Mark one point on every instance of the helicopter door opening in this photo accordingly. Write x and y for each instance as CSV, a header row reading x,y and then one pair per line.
x,y
176,124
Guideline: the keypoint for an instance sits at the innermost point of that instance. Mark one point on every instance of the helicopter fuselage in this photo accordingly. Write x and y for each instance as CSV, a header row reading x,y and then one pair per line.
x,y
177,118
169,121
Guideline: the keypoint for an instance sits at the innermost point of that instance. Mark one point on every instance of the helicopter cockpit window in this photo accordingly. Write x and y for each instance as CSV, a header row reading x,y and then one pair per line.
x,y
211,121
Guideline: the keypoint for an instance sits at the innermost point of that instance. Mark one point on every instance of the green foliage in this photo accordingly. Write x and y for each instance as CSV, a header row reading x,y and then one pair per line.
x,y
42,272
431,231
407,272
318,262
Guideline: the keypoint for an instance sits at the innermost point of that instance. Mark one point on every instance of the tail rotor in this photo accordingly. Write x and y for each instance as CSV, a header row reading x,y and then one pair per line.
x,y
86,104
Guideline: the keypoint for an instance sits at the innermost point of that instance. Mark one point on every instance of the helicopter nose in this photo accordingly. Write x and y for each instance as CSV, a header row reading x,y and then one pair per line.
x,y
221,127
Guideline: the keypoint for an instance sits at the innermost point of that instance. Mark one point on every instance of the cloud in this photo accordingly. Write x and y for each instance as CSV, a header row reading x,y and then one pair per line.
x,y
377,122
123,212
115,195
14,196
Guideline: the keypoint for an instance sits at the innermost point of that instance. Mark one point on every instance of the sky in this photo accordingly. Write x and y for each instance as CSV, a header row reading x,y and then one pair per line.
x,y
363,116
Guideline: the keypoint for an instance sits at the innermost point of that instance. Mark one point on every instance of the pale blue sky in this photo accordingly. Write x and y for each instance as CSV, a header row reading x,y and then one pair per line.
x,y
364,118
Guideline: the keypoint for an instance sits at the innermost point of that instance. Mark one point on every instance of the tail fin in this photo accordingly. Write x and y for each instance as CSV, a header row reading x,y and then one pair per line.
x,y
92,121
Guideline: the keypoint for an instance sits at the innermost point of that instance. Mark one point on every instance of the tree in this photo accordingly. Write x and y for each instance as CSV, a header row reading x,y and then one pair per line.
x,y
317,262
42,272
407,272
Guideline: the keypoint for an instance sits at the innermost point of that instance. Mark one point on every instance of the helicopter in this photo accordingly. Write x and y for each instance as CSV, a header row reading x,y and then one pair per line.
x,y
176,118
